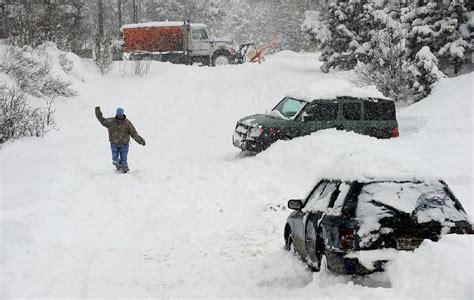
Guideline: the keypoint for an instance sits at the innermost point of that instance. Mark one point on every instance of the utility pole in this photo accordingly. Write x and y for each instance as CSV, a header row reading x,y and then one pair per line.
x,y
135,11
99,40
119,12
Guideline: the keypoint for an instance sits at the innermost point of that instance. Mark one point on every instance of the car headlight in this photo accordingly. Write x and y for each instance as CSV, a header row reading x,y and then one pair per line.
x,y
256,131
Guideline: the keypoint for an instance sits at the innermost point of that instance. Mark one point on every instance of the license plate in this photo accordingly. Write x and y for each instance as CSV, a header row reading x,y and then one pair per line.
x,y
408,244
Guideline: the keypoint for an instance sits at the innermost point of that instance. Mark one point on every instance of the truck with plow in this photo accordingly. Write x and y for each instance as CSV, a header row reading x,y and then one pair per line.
x,y
181,43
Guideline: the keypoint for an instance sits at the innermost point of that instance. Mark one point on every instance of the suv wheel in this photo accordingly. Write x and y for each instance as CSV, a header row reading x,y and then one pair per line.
x,y
221,60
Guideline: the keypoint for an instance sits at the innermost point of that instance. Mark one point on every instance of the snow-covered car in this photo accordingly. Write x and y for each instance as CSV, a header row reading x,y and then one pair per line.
x,y
301,115
353,227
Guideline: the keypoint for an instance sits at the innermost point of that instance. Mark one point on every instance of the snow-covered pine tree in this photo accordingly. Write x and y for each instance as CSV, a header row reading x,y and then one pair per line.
x,y
35,22
419,25
340,32
425,72
454,39
385,66
443,28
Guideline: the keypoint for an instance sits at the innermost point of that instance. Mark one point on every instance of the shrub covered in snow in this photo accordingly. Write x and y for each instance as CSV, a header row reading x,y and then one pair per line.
x,y
32,72
425,72
385,66
18,118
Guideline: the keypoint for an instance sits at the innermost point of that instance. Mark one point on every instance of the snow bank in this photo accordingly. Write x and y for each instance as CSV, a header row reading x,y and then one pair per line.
x,y
64,64
442,270
195,217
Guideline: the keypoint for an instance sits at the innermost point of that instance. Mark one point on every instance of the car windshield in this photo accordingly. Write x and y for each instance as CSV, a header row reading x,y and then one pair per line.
x,y
288,107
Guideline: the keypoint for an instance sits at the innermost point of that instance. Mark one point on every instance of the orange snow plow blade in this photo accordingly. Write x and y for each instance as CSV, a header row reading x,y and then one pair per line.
x,y
260,54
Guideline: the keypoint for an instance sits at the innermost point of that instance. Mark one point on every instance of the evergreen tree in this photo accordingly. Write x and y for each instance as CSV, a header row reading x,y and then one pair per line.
x,y
443,28
344,28
454,38
61,22
385,66
425,72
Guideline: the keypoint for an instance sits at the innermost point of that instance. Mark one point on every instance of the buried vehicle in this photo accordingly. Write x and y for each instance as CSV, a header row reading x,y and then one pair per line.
x,y
181,43
358,110
352,227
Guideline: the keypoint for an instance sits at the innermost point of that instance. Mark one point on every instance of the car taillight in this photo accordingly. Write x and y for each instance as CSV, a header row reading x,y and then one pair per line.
x,y
347,238
395,132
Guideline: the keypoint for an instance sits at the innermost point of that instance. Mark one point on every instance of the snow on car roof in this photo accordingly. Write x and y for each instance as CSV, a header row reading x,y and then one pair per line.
x,y
333,88
160,24
369,165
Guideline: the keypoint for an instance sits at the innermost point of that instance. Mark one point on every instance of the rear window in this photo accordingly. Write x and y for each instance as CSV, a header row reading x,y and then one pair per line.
x,y
423,201
322,111
381,110
351,111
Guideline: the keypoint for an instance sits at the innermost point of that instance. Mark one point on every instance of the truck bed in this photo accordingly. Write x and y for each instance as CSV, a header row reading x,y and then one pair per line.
x,y
153,39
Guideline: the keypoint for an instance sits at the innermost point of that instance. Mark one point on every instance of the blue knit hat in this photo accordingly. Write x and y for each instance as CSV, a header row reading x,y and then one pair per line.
x,y
119,112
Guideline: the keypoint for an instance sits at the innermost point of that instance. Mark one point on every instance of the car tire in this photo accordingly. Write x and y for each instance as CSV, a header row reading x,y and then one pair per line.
x,y
289,246
323,263
220,60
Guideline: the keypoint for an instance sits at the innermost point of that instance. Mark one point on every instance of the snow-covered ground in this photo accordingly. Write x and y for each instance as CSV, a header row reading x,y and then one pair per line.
x,y
195,217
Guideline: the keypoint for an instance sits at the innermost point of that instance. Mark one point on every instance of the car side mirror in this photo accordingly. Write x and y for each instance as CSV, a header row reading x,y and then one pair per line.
x,y
295,204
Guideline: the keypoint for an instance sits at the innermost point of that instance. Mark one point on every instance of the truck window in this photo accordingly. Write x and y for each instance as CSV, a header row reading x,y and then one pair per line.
x,y
382,110
199,34
322,111
351,111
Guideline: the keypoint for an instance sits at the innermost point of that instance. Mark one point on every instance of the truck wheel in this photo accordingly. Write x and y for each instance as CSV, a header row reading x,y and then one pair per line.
x,y
221,60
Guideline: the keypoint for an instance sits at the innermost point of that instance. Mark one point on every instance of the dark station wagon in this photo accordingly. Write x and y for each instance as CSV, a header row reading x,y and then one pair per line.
x,y
293,117
356,227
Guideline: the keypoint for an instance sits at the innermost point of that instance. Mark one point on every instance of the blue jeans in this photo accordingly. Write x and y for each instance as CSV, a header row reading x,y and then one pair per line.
x,y
119,155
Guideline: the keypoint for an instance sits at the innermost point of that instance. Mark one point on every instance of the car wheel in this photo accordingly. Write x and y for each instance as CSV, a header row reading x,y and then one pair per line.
x,y
323,263
221,60
289,246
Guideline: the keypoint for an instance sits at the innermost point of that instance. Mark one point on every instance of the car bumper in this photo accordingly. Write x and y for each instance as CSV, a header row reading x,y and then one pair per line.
x,y
254,145
359,262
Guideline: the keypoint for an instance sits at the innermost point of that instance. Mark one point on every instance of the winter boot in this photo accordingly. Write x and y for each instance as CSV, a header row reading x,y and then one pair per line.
x,y
116,164
124,169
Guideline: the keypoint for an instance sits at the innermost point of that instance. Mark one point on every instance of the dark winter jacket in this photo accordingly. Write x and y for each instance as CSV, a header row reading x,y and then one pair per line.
x,y
120,131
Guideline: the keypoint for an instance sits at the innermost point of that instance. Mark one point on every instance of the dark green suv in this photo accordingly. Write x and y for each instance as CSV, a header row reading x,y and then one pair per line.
x,y
293,118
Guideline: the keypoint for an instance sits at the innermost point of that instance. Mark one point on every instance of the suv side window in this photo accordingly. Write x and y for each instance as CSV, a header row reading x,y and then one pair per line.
x,y
352,111
321,111
320,201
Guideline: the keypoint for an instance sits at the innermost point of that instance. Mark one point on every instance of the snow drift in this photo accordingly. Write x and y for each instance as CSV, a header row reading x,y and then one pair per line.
x,y
195,217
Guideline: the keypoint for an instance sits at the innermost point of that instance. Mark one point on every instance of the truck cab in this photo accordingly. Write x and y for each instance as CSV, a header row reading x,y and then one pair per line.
x,y
212,51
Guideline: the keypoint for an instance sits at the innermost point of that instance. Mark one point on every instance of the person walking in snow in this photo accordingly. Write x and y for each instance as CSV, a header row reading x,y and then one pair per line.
x,y
120,131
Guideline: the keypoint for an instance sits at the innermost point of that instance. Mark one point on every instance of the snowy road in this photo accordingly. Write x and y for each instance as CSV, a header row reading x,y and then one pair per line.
x,y
194,217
